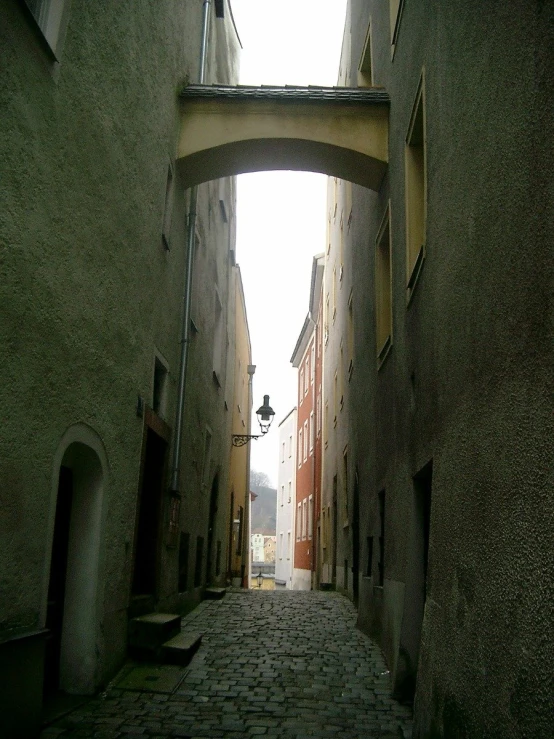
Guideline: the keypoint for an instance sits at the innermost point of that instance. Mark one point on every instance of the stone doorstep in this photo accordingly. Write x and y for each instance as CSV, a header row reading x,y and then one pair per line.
x,y
181,648
214,593
150,631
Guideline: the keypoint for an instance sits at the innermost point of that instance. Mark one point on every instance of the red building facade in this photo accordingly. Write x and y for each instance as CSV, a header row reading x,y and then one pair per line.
x,y
307,359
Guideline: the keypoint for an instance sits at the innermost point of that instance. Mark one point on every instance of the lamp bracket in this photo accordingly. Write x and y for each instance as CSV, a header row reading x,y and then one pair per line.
x,y
242,439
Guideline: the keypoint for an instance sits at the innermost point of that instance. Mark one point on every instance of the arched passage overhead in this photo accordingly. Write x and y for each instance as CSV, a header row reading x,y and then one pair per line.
x,y
342,132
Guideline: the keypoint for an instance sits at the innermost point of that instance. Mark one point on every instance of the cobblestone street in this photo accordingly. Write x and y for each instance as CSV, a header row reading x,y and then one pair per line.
x,y
288,664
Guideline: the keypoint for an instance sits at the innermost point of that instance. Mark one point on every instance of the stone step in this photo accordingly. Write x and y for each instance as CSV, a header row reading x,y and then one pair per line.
x,y
180,649
214,593
147,633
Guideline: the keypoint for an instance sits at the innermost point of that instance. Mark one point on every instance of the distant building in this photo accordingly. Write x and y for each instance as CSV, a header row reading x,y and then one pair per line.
x,y
257,547
286,501
269,549
304,359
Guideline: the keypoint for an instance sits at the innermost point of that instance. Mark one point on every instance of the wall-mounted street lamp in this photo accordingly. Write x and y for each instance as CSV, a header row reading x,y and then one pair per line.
x,y
260,579
265,415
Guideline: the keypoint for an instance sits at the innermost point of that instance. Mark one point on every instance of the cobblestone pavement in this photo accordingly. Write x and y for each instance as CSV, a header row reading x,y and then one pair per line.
x,y
289,664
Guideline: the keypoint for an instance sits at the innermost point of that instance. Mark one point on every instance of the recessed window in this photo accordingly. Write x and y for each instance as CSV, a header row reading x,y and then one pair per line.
x,y
49,16
159,390
365,67
395,8
300,447
219,345
416,180
383,288
168,208
206,463
350,335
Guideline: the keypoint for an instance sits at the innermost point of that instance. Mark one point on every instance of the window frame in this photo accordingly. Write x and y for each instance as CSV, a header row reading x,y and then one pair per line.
x,y
416,199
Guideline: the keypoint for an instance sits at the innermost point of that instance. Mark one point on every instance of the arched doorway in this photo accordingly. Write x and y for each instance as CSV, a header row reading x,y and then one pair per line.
x,y
74,591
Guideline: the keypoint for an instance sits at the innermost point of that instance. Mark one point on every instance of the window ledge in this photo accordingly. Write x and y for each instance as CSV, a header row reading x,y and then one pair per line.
x,y
414,277
384,352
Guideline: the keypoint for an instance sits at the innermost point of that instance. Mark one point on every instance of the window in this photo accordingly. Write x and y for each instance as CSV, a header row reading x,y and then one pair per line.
x,y
207,457
290,446
348,209
159,391
283,453
49,15
350,336
365,67
300,447
312,432
218,339
383,288
416,177
381,563
318,411
290,491
241,530
310,517
341,373
326,424
282,494
168,208
369,566
288,545
301,388
307,376
304,517
312,376
298,521
395,7
305,441
281,545
335,397
334,292
345,481
341,248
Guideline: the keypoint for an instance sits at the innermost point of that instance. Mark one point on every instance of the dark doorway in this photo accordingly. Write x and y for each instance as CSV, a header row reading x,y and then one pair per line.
x,y
356,540
335,530
416,585
149,515
211,529
381,565
56,585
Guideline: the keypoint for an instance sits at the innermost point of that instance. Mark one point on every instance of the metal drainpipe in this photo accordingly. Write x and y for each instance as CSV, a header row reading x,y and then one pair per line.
x,y
185,338
247,526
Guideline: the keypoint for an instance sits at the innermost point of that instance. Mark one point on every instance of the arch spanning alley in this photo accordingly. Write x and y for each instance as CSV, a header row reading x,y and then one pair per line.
x,y
342,132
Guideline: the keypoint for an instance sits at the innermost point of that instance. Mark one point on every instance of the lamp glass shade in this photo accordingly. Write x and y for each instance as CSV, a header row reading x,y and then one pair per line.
x,y
265,415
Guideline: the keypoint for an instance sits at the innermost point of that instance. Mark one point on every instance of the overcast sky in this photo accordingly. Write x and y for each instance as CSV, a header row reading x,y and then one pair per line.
x,y
281,215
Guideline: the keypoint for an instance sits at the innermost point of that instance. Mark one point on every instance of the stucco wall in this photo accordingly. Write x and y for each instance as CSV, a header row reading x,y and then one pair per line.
x,y
468,383
89,293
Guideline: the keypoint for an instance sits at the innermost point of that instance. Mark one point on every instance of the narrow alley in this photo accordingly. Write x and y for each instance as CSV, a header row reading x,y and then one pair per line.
x,y
288,664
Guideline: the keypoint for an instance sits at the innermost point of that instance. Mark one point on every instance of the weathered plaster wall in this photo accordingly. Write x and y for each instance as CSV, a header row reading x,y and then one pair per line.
x,y
88,290
469,380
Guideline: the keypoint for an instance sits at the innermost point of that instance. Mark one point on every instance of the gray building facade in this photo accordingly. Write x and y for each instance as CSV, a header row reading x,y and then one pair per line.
x,y
93,223
448,412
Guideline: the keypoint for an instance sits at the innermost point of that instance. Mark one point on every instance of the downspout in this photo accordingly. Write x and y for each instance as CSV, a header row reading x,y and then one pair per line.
x,y
247,568
191,233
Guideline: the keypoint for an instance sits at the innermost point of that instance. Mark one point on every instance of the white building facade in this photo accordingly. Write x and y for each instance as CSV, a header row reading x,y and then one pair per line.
x,y
286,500
257,543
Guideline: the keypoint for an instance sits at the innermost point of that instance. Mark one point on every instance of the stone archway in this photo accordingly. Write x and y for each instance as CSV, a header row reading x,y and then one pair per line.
x,y
342,132
74,561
